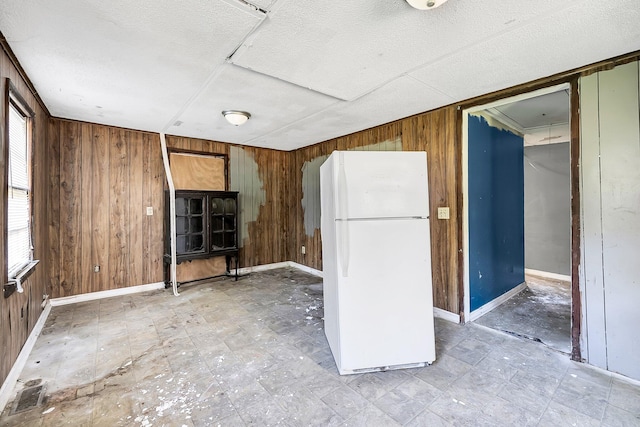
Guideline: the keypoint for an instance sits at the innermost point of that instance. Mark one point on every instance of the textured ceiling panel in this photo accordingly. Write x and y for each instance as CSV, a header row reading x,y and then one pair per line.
x,y
145,64
574,36
125,63
402,97
348,48
539,111
271,102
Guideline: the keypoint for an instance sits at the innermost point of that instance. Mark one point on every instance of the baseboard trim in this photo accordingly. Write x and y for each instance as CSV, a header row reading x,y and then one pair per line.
x,y
612,374
477,313
263,267
547,274
446,315
91,296
9,383
273,266
305,268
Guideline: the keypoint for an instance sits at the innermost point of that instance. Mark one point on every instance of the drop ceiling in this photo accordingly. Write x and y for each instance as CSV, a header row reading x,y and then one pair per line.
x,y
307,71
542,119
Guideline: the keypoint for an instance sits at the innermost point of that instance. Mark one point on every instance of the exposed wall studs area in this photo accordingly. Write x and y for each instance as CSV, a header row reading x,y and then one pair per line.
x,y
501,207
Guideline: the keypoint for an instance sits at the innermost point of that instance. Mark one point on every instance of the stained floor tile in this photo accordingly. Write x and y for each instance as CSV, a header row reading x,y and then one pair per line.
x,y
541,312
253,352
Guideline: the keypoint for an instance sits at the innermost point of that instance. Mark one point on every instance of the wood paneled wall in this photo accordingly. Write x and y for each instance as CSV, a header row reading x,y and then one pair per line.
x,y
20,312
262,178
103,178
433,132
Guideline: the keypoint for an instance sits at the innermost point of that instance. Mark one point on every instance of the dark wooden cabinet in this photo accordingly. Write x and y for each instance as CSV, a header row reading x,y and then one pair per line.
x,y
206,226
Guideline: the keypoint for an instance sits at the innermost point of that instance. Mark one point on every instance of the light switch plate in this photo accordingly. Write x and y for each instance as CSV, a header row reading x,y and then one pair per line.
x,y
149,210
443,213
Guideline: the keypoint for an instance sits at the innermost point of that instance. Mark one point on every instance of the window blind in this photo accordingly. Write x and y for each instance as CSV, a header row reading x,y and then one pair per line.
x,y
18,229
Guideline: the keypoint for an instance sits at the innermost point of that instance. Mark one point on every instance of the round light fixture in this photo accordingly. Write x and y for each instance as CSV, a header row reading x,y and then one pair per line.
x,y
425,4
235,117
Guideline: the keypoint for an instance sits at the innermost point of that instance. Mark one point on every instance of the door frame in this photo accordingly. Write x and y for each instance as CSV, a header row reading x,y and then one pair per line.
x,y
575,199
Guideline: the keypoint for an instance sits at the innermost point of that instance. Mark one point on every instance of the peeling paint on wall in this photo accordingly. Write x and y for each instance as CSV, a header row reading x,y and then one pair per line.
x,y
311,194
245,179
311,182
493,122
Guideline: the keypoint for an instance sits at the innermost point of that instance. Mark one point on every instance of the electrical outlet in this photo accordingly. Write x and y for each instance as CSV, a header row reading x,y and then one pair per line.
x,y
303,250
443,213
96,268
149,210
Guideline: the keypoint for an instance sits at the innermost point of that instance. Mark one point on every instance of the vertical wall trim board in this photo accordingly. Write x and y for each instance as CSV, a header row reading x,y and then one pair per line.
x,y
576,299
465,213
172,213
459,158
591,226
602,263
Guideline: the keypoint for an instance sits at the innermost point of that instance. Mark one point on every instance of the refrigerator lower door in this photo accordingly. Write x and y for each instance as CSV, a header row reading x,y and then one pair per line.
x,y
384,301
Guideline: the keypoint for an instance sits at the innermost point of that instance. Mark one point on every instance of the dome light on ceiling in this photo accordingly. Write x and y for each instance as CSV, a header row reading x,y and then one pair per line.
x,y
235,117
425,4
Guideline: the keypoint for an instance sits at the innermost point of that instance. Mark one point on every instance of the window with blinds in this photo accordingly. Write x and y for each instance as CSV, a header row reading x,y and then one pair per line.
x,y
19,252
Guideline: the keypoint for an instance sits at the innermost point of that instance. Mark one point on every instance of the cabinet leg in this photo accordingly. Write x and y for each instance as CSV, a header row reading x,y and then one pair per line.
x,y
167,275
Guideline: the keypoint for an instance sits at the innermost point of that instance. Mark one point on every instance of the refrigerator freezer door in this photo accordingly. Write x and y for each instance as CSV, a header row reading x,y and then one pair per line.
x,y
385,304
380,184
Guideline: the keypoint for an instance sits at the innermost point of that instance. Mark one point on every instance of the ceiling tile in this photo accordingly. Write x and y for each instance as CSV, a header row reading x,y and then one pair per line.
x,y
543,110
348,48
125,63
145,64
574,36
403,97
272,103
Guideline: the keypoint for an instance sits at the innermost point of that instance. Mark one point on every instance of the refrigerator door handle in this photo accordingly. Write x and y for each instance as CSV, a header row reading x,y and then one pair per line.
x,y
343,199
343,215
343,247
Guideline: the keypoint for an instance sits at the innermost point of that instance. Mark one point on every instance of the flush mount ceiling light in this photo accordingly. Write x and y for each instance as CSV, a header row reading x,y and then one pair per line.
x,y
235,117
425,4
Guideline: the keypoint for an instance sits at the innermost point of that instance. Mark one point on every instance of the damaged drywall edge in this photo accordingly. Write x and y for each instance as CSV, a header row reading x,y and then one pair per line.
x,y
493,122
311,182
245,178
387,145
311,194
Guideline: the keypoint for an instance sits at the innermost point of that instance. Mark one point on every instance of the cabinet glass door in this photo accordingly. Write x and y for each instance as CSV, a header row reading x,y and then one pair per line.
x,y
190,230
223,223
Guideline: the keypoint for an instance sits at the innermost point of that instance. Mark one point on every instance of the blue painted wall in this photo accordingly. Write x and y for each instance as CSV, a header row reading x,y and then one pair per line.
x,y
496,211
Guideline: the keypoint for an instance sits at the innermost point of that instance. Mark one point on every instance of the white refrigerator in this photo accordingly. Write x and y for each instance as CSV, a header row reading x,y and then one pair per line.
x,y
376,258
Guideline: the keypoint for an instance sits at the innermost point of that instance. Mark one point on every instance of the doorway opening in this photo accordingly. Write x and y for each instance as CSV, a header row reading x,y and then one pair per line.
x,y
517,219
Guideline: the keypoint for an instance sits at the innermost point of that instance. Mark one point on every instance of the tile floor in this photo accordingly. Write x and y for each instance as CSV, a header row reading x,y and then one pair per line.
x,y
541,312
253,352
